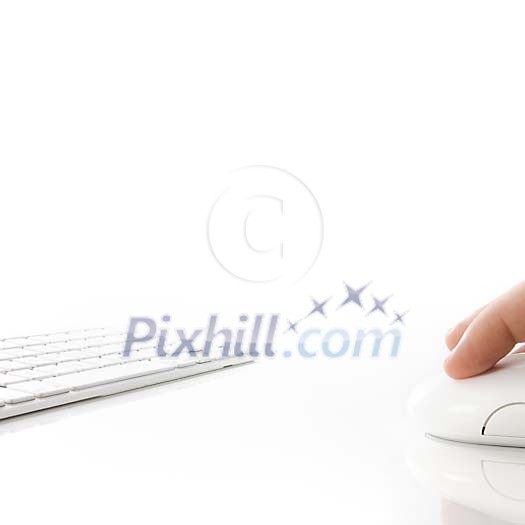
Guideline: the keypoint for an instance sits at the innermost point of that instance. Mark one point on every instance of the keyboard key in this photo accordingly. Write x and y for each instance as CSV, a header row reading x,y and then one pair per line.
x,y
78,366
62,357
40,350
64,346
32,373
111,359
107,349
58,337
5,355
10,396
108,340
4,367
39,388
72,335
144,353
52,358
184,364
100,362
35,361
14,343
8,379
64,368
21,352
134,357
74,355
93,332
15,365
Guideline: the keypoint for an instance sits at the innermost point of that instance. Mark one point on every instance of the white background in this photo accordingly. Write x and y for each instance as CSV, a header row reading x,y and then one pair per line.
x,y
120,123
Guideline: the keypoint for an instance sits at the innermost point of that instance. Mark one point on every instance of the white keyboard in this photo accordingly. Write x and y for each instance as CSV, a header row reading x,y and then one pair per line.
x,y
43,371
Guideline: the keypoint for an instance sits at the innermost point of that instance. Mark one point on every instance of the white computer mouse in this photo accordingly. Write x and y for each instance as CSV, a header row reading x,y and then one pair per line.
x,y
488,409
488,480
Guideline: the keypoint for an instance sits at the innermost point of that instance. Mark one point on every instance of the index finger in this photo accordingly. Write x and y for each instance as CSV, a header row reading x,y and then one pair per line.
x,y
490,336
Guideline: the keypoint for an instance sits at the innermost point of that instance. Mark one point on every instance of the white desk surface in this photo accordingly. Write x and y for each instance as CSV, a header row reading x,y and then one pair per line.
x,y
301,442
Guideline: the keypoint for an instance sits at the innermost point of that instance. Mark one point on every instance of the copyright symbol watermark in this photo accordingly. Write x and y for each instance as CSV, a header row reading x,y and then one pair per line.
x,y
266,226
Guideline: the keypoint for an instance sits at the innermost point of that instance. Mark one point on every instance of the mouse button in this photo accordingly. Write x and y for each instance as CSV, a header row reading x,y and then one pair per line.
x,y
506,479
507,421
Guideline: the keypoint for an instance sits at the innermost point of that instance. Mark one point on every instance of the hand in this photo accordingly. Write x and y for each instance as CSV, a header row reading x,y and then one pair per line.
x,y
488,335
